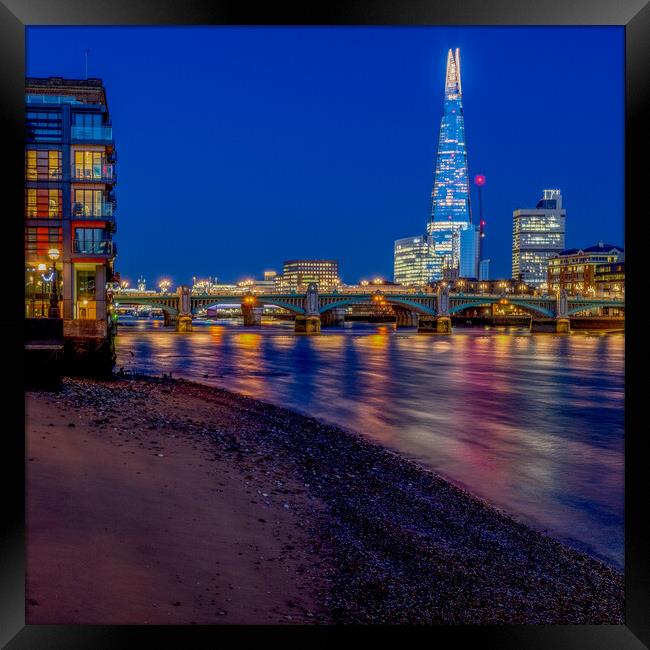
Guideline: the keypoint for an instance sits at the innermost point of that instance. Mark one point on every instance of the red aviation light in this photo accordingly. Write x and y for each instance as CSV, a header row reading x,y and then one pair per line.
x,y
479,180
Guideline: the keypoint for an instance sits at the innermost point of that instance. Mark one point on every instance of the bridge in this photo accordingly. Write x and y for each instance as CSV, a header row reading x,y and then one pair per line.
x,y
429,312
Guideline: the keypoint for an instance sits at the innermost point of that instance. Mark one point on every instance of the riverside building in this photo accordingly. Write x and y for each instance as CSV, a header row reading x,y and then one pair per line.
x,y
577,270
413,261
537,235
70,208
610,280
298,274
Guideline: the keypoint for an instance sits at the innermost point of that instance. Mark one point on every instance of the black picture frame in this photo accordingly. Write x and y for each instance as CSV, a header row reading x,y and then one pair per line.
x,y
15,15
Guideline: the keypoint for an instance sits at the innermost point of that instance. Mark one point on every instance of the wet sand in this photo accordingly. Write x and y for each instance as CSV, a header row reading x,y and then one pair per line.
x,y
166,502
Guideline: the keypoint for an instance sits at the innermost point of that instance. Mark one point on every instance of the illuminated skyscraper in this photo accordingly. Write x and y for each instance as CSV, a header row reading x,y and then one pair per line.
x,y
455,238
537,235
413,261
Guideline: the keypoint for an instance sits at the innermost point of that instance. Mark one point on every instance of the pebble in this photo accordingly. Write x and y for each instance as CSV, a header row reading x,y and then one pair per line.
x,y
391,541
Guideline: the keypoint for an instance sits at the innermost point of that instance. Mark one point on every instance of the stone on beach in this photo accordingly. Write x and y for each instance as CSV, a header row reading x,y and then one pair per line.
x,y
387,541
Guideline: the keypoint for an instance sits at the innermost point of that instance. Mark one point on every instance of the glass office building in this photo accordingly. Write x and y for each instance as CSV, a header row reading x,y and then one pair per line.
x,y
537,235
484,269
414,261
455,238
456,245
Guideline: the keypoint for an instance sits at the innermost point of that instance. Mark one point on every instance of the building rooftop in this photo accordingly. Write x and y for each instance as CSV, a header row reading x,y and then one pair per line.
x,y
310,261
600,247
87,91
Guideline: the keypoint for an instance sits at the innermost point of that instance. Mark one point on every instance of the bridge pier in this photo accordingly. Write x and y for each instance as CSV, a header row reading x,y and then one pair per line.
x,y
333,317
184,323
169,319
434,324
184,318
252,315
307,324
550,325
405,318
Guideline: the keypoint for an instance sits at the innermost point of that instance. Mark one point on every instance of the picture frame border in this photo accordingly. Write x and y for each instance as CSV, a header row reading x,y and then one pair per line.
x,y
16,15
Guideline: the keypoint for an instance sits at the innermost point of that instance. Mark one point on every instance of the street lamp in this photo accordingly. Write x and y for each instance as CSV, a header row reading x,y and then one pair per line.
x,y
53,311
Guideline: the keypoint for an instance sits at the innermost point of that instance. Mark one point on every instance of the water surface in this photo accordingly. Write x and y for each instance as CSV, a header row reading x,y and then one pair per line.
x,y
531,423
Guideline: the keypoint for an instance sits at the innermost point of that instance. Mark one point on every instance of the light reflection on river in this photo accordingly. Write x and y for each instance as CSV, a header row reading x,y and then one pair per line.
x,y
533,424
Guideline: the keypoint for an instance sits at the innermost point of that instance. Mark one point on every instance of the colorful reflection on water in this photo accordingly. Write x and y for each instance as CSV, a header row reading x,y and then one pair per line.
x,y
532,423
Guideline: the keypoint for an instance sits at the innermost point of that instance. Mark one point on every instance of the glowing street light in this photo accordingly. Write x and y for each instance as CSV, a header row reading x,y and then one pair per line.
x,y
53,311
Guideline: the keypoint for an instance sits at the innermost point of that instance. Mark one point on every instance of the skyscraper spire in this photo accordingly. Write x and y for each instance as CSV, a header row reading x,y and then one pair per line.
x,y
452,77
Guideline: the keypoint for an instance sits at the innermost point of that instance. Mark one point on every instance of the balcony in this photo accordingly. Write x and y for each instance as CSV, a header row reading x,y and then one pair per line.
x,y
92,133
93,211
101,247
104,174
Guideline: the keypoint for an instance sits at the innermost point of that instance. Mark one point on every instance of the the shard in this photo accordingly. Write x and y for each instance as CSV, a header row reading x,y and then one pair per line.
x,y
454,236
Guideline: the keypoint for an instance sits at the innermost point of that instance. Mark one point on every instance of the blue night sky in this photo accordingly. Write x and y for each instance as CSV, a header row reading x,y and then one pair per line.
x,y
239,148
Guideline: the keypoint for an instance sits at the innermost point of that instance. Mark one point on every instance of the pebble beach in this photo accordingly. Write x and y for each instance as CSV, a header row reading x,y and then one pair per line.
x,y
162,501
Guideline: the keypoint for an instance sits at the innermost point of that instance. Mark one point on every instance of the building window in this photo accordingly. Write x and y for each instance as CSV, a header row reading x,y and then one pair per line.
x,y
87,119
89,164
85,285
87,203
39,240
42,165
91,241
85,294
43,203
43,126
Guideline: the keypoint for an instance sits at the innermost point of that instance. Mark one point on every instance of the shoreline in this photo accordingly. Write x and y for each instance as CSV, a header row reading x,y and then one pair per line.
x,y
365,535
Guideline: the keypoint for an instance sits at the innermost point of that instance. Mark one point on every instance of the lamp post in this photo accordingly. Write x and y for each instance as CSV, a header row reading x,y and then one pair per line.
x,y
41,268
53,311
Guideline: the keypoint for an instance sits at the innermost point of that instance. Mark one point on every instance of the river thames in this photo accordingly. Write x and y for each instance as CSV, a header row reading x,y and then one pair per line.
x,y
533,424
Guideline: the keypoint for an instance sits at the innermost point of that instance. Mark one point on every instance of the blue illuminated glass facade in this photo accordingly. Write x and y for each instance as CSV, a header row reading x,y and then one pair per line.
x,y
450,199
456,239
451,246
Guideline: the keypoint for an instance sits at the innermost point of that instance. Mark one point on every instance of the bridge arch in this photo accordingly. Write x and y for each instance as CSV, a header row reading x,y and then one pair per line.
x,y
401,302
202,303
592,307
534,310
121,302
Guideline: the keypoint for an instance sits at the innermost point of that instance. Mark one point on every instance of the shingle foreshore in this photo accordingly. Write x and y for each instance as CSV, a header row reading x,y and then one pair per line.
x,y
395,543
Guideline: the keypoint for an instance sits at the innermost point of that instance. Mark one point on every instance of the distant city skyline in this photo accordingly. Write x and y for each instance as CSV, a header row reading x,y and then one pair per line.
x,y
241,148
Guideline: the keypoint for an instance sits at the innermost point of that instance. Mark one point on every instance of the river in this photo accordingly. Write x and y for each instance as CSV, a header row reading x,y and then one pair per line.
x,y
533,424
